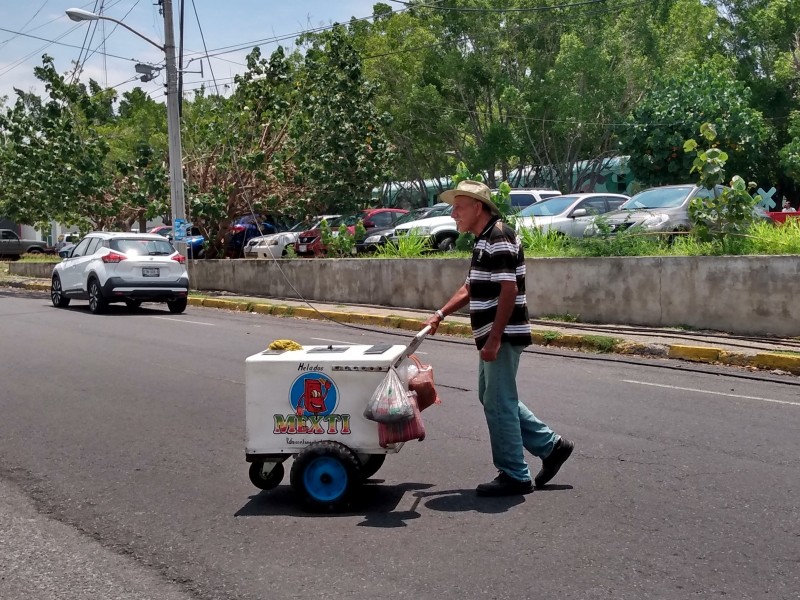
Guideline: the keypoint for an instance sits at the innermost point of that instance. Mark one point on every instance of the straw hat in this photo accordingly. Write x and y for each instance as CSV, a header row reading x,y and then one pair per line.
x,y
473,189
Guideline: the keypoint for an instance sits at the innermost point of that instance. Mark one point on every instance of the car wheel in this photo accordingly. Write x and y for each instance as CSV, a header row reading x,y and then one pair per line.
x,y
133,304
57,293
446,244
325,474
177,306
97,304
268,481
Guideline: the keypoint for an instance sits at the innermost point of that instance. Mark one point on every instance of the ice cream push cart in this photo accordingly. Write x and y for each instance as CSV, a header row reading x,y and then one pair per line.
x,y
309,404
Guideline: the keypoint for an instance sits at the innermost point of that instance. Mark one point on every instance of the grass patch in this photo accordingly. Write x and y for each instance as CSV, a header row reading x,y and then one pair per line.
x,y
601,343
565,318
550,336
38,257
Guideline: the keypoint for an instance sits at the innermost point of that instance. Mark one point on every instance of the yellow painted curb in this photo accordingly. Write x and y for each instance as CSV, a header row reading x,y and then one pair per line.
x,y
694,353
224,304
784,362
735,359
194,301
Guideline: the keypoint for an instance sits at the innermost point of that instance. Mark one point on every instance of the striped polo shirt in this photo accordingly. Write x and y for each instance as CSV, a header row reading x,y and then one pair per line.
x,y
497,256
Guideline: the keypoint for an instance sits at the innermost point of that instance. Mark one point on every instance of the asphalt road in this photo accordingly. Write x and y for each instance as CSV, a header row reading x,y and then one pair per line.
x,y
127,432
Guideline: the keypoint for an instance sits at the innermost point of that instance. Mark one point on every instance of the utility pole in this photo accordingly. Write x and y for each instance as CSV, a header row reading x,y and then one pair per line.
x,y
177,199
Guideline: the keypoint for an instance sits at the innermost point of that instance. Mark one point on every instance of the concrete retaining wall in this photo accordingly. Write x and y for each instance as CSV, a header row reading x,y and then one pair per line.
x,y
758,295
31,269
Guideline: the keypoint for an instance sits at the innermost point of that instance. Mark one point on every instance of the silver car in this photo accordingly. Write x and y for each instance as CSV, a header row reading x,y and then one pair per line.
x,y
664,208
570,214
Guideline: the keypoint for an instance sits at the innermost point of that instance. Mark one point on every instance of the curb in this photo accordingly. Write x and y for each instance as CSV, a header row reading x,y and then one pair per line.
x,y
590,343
768,361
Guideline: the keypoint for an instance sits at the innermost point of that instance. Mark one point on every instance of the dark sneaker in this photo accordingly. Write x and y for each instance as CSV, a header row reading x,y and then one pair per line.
x,y
503,485
550,465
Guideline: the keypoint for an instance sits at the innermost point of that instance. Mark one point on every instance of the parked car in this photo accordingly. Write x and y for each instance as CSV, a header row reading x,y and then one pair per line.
x,y
245,228
570,214
275,244
195,241
128,267
65,250
13,247
523,197
378,237
309,243
441,230
664,208
164,230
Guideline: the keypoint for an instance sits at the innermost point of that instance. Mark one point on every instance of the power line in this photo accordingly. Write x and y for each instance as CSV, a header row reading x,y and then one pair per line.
x,y
26,22
284,37
203,37
62,43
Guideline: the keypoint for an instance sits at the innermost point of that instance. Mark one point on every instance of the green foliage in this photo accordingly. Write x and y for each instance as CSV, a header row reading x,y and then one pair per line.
x,y
342,148
675,109
406,246
53,160
790,153
730,211
342,243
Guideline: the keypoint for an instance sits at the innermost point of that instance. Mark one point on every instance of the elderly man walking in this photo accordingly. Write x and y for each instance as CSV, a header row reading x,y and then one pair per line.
x,y
495,292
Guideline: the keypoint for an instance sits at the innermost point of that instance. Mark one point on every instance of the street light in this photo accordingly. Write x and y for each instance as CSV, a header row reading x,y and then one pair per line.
x,y
177,202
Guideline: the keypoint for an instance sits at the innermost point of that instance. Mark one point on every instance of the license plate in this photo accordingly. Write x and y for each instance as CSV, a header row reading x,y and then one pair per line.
x,y
302,248
149,272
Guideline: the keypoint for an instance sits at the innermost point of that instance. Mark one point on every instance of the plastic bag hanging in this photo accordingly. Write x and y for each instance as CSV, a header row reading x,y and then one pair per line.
x,y
389,402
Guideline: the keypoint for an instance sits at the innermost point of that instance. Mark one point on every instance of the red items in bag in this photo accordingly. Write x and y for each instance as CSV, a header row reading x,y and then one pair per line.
x,y
402,431
422,384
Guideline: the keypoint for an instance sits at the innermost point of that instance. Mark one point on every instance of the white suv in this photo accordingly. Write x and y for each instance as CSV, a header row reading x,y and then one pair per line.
x,y
121,267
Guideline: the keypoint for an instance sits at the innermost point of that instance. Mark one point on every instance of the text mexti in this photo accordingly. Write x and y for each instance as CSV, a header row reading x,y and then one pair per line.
x,y
320,425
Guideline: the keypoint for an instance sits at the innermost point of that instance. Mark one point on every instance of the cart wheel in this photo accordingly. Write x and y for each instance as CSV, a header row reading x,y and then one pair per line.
x,y
268,481
325,474
372,465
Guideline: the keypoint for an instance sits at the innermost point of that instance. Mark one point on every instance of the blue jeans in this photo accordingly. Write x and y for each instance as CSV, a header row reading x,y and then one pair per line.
x,y
512,426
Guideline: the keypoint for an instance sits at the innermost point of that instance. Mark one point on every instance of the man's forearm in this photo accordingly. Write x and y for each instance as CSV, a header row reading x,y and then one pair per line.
x,y
458,300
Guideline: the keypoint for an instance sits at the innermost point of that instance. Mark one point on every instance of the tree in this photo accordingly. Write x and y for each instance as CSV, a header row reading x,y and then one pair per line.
x,y
342,150
676,107
53,163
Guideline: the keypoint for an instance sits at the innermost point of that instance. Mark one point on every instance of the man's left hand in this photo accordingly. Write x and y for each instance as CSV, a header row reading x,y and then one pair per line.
x,y
490,349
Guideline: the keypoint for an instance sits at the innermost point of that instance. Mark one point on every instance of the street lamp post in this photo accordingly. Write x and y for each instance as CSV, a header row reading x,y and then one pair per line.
x,y
177,202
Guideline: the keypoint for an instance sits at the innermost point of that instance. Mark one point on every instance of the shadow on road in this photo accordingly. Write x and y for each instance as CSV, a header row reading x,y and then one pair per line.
x,y
378,504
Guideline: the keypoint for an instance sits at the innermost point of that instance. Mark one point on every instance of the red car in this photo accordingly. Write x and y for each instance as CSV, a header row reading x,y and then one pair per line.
x,y
309,243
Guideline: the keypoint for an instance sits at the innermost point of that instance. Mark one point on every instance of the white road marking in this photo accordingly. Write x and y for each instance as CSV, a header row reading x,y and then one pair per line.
x,y
683,389
186,321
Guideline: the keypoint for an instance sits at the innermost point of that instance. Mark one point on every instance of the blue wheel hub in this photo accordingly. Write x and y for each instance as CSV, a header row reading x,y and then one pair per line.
x,y
325,478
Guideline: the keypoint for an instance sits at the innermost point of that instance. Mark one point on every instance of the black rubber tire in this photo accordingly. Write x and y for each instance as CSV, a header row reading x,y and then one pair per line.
x,y
97,304
269,482
372,465
133,304
57,293
446,244
306,469
177,306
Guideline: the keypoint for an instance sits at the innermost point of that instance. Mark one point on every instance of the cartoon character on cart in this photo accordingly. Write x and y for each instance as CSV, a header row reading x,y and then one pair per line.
x,y
313,395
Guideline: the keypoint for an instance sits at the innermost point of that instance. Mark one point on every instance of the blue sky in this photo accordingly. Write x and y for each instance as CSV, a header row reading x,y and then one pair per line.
x,y
224,23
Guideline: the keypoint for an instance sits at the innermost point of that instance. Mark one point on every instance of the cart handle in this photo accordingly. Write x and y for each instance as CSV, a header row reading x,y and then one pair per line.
x,y
413,345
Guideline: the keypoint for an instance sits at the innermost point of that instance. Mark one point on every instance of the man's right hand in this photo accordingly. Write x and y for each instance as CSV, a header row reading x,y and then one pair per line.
x,y
433,321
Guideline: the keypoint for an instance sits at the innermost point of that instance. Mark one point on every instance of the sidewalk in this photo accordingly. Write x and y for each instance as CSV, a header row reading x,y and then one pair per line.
x,y
762,353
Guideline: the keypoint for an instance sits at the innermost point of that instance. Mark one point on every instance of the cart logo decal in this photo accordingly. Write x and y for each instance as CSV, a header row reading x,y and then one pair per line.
x,y
313,394
313,398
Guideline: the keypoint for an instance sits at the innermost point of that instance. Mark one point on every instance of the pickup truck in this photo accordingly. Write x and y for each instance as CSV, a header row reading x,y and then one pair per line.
x,y
13,247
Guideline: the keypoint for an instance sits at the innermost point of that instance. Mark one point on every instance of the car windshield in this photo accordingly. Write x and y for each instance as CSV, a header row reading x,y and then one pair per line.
x,y
549,207
667,197
415,215
136,247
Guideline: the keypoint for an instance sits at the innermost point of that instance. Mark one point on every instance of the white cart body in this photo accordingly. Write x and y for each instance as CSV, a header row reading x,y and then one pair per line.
x,y
296,398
